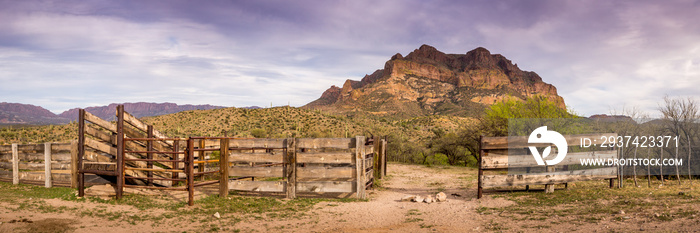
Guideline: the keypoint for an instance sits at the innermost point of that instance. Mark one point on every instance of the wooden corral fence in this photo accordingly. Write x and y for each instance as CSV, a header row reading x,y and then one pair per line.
x,y
33,163
101,146
45,164
141,157
303,165
499,154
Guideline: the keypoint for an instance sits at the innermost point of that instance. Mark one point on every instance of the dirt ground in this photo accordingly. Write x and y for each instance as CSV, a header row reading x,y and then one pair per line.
x,y
383,212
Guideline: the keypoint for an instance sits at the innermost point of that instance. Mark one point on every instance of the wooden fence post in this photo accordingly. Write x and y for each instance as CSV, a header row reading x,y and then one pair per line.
x,y
74,164
15,164
149,155
190,171
549,188
480,190
377,163
223,166
291,167
202,155
47,165
364,169
120,151
359,151
384,156
81,153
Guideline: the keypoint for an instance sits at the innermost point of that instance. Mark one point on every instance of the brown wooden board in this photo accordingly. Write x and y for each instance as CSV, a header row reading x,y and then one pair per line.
x,y
100,146
35,166
493,161
326,157
325,172
316,143
100,166
276,157
489,143
102,123
326,186
257,186
256,143
548,178
256,171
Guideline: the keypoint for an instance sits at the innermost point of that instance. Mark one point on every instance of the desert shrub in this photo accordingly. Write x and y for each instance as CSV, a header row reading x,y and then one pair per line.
x,y
258,133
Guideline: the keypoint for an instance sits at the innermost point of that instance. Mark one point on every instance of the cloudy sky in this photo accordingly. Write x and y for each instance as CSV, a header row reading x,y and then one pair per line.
x,y
601,55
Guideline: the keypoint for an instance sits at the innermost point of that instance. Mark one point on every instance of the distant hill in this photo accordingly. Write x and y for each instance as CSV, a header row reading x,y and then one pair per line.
x,y
430,82
27,114
140,109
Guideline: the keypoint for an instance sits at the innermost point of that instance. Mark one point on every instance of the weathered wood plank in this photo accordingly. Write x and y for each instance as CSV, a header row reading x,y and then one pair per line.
x,y
37,148
505,161
256,171
548,178
102,123
315,143
5,149
100,146
136,123
47,164
257,143
39,176
74,164
100,135
290,168
61,157
325,172
276,157
359,156
36,166
60,147
368,162
96,156
326,157
15,164
489,143
257,186
326,186
133,121
101,166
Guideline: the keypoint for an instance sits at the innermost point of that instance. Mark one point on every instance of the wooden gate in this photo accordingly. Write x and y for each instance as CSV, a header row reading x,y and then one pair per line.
x,y
498,154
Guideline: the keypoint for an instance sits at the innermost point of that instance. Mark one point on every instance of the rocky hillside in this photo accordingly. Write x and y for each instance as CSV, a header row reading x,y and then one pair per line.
x,y
140,109
430,82
26,114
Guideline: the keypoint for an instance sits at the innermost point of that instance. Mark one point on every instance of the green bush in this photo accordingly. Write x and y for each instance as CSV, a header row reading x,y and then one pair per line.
x,y
258,133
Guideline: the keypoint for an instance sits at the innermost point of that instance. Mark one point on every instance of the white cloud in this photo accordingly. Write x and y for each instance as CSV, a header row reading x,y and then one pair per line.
x,y
597,54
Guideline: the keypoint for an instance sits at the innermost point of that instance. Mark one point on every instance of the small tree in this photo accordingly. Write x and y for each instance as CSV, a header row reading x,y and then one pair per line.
x,y
494,123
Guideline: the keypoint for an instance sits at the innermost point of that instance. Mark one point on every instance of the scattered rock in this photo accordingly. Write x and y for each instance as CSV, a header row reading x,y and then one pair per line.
x,y
621,212
456,195
217,215
657,215
408,198
418,198
429,199
681,193
441,197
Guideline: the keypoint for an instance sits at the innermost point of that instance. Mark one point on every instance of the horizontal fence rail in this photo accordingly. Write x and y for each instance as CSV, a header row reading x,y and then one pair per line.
x,y
499,154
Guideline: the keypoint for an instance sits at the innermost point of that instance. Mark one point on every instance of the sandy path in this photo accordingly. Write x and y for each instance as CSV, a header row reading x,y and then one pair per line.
x,y
385,213
382,213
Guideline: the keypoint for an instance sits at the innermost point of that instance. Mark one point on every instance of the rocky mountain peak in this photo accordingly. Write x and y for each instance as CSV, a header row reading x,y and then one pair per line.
x,y
431,79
